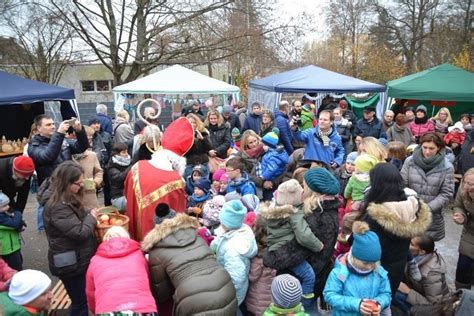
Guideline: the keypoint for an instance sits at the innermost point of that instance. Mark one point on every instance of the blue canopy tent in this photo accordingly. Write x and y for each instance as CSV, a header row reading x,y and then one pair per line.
x,y
31,95
307,79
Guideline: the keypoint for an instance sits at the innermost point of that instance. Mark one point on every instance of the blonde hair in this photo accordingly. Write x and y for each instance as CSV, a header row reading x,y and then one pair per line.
x,y
312,201
151,132
199,124
220,119
123,114
116,232
245,138
449,119
89,130
370,145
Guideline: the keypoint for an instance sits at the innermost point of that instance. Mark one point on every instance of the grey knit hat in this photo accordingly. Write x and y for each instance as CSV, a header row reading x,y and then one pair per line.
x,y
286,291
4,199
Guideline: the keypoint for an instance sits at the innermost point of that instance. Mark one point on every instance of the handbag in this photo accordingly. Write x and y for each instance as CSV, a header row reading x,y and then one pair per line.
x,y
216,163
65,259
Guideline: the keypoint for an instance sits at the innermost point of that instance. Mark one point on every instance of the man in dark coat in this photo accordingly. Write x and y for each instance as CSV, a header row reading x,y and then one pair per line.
x,y
283,124
105,121
254,120
49,148
230,118
194,108
15,173
370,125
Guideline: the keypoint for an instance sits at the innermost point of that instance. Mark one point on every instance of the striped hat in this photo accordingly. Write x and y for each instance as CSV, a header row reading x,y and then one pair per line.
x,y
286,291
271,138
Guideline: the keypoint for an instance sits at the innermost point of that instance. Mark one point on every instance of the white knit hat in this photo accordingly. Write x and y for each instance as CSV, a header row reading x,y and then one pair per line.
x,y
27,285
4,200
289,193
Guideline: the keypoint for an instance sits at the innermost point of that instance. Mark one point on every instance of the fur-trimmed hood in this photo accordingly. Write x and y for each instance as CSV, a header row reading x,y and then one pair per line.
x,y
404,219
272,211
168,227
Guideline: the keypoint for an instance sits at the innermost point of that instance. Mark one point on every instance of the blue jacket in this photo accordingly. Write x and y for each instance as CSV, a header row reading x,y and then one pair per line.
x,y
374,128
315,149
283,124
252,122
344,290
274,163
233,250
105,123
243,185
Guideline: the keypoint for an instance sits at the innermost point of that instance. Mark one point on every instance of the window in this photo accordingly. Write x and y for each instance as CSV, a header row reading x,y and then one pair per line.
x,y
102,85
88,85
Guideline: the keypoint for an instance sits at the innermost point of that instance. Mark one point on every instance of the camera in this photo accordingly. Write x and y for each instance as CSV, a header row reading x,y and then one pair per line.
x,y
297,120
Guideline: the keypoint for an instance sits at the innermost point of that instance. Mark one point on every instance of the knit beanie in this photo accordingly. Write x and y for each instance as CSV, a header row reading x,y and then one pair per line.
x,y
216,176
366,244
203,184
206,235
352,157
24,166
162,212
198,168
231,196
422,108
322,181
4,199
271,138
383,141
289,193
286,291
224,178
232,214
251,202
27,285
365,162
308,107
235,134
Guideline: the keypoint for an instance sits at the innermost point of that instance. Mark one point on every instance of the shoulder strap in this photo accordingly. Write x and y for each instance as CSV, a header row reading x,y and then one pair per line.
x,y
118,125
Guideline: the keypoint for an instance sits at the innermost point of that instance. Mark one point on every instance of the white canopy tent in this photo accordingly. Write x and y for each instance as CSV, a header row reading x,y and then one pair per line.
x,y
177,80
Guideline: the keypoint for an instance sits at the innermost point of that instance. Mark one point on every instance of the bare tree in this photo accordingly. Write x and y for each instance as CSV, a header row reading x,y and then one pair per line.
x,y
45,43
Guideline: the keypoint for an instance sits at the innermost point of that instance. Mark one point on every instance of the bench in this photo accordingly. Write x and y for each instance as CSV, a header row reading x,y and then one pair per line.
x,y
61,300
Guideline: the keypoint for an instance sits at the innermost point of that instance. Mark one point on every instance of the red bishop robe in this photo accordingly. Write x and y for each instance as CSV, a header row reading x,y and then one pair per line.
x,y
145,187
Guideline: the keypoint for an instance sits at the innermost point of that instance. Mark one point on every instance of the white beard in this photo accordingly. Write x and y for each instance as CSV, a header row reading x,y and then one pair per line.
x,y
167,160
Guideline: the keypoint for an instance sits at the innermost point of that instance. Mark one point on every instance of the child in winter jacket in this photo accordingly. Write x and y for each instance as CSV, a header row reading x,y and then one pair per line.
x,y
272,165
11,223
6,274
236,246
223,182
239,180
286,296
216,185
198,199
108,288
259,295
117,170
455,138
347,169
210,212
358,284
359,180
284,222
307,117
196,174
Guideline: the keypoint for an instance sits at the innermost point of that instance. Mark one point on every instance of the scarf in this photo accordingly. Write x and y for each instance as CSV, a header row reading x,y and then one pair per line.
x,y
427,163
399,128
441,127
264,127
122,161
324,135
353,269
199,199
78,157
256,152
213,128
422,120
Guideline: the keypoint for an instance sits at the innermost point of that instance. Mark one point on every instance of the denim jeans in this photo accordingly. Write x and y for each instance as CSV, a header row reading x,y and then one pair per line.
x,y
120,203
463,269
76,289
400,301
305,273
39,217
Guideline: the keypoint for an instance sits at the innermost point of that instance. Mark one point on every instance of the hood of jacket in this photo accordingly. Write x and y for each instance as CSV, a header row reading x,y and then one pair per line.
x,y
270,210
44,194
242,240
117,247
405,219
432,262
240,111
169,227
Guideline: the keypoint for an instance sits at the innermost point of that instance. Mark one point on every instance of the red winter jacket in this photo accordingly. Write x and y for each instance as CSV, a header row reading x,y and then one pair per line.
x,y
6,274
118,280
454,137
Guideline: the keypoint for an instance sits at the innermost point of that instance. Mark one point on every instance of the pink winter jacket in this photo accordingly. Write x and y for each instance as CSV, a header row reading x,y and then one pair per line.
x,y
259,294
118,280
6,273
419,130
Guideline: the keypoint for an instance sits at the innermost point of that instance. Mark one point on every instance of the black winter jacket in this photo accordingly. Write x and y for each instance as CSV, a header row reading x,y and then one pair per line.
x,y
48,153
233,121
198,153
117,175
68,228
373,128
18,195
220,139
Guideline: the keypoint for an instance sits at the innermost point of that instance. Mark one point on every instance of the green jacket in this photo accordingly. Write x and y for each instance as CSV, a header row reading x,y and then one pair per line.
x,y
9,240
355,188
275,310
7,307
284,223
307,119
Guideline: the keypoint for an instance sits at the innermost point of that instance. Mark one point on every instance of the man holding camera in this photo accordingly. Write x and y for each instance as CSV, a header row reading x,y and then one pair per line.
x,y
49,147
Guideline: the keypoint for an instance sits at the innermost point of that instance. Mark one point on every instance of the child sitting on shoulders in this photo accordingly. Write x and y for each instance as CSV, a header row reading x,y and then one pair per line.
x,y
11,223
359,181
358,284
199,198
286,297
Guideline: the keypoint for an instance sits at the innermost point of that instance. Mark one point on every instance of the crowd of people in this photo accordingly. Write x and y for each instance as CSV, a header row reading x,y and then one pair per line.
x,y
275,212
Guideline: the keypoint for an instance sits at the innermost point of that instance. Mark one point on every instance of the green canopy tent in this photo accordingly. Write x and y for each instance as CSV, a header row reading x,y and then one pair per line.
x,y
443,85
